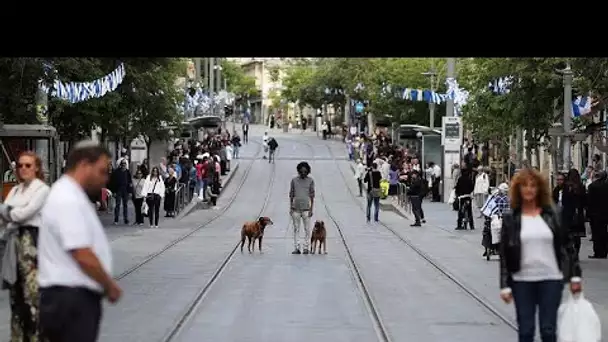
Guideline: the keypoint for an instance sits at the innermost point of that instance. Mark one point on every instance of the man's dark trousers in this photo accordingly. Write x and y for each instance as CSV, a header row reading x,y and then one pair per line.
x,y
69,314
599,233
122,196
435,189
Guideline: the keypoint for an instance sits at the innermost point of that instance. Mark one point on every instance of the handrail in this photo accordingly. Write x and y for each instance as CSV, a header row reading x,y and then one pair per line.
x,y
182,196
403,200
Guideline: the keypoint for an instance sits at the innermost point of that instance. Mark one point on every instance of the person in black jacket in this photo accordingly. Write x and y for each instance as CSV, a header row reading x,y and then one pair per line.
x,y
464,187
536,256
596,195
573,207
414,192
272,146
121,186
372,178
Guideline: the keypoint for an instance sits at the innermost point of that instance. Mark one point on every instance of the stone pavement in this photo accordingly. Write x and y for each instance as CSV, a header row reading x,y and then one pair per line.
x,y
461,252
277,296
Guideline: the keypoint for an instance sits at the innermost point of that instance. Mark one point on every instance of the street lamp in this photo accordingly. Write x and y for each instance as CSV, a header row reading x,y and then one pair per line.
x,y
431,73
567,121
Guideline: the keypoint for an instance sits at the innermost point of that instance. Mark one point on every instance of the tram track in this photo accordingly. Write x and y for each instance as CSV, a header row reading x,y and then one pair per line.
x,y
192,308
372,309
435,264
188,234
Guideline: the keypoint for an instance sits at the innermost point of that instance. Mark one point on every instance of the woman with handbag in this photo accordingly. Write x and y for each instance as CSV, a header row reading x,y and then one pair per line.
x,y
154,189
20,213
536,256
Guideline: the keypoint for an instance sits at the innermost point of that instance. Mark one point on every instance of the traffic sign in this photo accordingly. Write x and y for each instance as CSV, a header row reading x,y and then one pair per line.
x,y
359,107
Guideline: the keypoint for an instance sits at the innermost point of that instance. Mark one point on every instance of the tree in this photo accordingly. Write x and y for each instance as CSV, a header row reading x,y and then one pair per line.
x,y
307,80
19,79
529,105
152,98
237,81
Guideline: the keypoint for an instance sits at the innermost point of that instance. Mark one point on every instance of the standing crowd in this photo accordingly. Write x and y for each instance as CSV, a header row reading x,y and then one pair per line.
x,y
390,170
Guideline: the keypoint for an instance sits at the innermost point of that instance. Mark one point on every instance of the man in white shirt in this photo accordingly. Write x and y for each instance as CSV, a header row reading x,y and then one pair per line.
x,y
360,172
74,256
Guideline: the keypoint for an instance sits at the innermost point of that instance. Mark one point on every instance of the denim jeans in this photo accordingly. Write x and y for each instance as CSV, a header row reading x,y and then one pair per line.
x,y
235,152
121,197
376,201
547,296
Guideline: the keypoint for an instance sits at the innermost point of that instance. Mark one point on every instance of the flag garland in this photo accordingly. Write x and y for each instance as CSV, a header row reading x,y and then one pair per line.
x,y
75,92
581,106
459,95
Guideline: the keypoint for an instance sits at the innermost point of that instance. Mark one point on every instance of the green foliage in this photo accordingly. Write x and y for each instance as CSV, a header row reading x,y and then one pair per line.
x,y
237,81
529,104
142,104
306,80
18,85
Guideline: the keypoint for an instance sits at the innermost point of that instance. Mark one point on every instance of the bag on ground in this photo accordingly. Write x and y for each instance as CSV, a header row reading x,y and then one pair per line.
x,y
577,321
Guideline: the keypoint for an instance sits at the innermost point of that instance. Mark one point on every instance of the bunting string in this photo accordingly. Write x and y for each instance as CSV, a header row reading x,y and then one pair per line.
x,y
581,105
75,92
454,92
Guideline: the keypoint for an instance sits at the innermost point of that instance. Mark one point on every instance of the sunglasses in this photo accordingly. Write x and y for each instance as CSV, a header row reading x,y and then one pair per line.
x,y
24,166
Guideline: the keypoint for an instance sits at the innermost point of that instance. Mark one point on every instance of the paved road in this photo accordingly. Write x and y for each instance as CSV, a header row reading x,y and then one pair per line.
x,y
276,296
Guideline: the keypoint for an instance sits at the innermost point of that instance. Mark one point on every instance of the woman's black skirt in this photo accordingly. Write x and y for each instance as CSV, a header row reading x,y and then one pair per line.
x,y
169,201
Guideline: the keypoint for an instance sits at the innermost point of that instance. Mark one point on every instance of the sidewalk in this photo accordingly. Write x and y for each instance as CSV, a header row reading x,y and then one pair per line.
x,y
114,231
461,253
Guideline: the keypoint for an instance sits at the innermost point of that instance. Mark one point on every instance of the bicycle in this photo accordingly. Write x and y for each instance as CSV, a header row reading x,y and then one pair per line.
x,y
464,210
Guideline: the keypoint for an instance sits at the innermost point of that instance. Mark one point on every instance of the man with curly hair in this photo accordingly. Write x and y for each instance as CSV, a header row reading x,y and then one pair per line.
x,y
301,200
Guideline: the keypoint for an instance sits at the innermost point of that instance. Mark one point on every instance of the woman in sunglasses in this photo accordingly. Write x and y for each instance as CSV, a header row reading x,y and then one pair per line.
x,y
21,215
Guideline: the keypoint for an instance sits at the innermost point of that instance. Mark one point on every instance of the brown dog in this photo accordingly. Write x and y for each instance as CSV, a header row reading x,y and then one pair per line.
x,y
254,230
318,236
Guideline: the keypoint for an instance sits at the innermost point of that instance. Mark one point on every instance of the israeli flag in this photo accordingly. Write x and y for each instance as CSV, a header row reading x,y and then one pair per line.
x,y
581,106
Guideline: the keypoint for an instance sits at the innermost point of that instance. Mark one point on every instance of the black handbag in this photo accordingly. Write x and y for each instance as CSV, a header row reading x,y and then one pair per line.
x,y
150,196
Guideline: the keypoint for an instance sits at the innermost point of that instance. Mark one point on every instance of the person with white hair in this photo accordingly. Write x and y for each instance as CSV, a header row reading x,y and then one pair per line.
x,y
494,208
359,175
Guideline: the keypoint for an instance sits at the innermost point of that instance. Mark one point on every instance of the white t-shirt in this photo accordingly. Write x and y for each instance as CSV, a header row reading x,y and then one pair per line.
x,y
538,260
69,222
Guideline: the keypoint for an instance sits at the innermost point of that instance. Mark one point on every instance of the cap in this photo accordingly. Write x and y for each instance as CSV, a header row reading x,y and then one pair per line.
x,y
503,187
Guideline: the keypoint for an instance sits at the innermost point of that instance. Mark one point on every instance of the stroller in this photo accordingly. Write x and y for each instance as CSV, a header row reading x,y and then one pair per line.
x,y
492,226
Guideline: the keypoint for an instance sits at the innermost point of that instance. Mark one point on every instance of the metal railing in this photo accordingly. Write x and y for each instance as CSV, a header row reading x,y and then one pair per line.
x,y
403,200
183,196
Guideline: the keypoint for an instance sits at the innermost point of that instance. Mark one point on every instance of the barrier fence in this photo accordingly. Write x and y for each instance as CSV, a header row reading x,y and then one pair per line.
x,y
183,196
403,200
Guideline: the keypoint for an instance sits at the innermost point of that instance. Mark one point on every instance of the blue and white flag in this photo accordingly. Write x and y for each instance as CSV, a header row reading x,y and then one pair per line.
x,y
581,106
75,92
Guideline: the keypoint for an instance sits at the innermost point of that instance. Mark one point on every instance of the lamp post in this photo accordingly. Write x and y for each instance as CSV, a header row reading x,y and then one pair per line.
x,y
431,73
217,68
567,115
451,147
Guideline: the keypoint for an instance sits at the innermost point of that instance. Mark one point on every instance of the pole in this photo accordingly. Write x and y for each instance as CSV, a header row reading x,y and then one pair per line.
x,y
567,116
218,75
211,64
197,64
432,104
449,156
450,74
205,72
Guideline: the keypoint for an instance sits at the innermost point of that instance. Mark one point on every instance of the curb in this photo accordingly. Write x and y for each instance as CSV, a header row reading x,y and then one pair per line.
x,y
392,206
195,204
